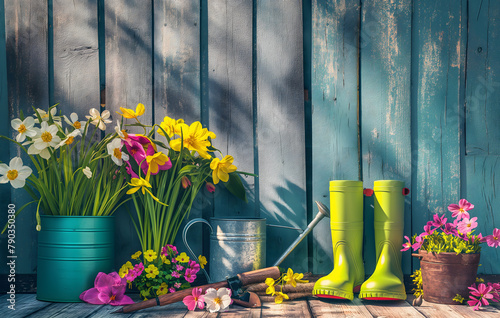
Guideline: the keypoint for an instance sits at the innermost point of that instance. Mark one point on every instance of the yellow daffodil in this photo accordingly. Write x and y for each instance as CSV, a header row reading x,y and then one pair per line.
x,y
279,298
151,271
269,281
183,258
202,260
150,255
170,126
293,279
143,184
222,168
136,255
158,161
195,139
129,113
162,290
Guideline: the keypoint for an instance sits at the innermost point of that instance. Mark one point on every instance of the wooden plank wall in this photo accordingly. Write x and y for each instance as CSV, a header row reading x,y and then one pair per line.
x,y
401,90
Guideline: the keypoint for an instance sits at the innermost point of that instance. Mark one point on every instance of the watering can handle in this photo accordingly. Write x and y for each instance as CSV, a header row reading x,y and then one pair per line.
x,y
184,239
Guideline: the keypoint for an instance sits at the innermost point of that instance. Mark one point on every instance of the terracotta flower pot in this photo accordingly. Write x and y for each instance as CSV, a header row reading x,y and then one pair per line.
x,y
445,275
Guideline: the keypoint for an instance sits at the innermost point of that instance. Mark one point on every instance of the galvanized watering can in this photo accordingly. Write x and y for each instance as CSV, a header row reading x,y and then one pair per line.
x,y
237,245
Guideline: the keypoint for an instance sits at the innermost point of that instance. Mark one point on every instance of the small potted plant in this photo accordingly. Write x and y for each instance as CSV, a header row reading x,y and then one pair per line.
x,y
76,181
449,254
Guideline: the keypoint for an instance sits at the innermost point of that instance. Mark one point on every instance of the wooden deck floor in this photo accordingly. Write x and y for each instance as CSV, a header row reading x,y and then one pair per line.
x,y
28,306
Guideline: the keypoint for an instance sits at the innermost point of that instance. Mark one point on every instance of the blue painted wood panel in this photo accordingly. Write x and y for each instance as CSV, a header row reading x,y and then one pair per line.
x,y
335,109
396,90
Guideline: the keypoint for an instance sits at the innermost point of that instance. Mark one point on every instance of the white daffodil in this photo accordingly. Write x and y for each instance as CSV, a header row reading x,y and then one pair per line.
x,y
217,300
45,115
15,173
73,121
24,128
47,137
70,138
122,133
115,150
99,120
87,172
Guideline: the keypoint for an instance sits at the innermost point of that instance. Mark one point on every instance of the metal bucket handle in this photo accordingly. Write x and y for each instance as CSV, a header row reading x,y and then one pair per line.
x,y
184,239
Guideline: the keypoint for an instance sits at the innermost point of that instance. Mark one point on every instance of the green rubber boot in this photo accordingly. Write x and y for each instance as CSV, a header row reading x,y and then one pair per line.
x,y
386,283
346,224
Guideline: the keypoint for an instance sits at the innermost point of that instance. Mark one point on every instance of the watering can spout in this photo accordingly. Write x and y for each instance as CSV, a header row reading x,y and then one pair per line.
x,y
323,211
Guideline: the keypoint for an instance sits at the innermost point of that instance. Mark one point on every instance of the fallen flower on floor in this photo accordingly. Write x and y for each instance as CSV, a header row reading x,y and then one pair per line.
x,y
216,300
194,300
108,289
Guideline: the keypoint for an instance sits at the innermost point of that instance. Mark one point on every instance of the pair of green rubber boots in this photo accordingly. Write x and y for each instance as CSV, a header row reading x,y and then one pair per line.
x,y
346,223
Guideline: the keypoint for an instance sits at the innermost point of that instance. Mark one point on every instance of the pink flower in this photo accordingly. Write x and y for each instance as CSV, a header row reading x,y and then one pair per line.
x,y
135,272
189,275
483,293
210,187
130,171
136,150
169,247
419,240
466,226
171,290
450,228
439,221
406,245
428,229
179,267
460,210
176,274
493,240
108,289
195,267
194,300
495,291
177,285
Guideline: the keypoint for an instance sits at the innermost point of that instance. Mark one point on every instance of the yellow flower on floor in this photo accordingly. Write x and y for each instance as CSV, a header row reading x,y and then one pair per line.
x,y
183,258
162,290
136,255
150,255
280,297
151,271
293,279
202,260
129,113
222,168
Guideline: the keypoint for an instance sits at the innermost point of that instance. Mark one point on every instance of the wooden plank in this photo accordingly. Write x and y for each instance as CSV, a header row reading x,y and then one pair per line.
x,y
335,124
25,305
76,56
339,308
177,77
175,310
296,308
5,128
434,310
236,311
26,37
483,80
66,310
128,53
230,95
391,309
280,127
438,59
482,180
385,101
177,60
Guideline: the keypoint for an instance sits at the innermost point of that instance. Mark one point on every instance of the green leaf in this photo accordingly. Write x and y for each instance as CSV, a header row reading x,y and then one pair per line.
x,y
235,186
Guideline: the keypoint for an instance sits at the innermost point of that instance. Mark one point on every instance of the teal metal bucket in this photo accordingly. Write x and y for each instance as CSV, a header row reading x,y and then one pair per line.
x,y
72,250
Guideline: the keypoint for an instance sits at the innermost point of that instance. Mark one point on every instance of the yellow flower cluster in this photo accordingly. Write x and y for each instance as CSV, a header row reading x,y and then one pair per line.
x,y
289,278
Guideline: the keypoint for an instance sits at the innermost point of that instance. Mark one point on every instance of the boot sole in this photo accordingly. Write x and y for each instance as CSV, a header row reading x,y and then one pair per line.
x,y
355,290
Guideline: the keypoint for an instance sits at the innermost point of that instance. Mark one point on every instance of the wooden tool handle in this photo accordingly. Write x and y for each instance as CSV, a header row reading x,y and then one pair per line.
x,y
259,275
